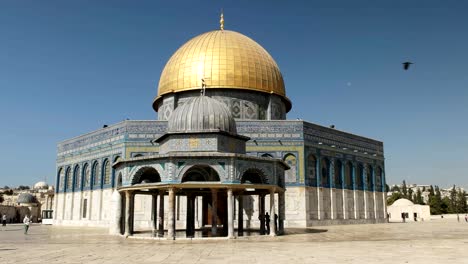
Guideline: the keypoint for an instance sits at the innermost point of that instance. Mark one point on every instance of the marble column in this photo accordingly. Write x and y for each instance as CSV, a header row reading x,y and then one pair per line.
x,y
261,212
190,221
318,176
170,217
230,204
281,212
240,218
161,214
331,175
364,189
154,213
353,176
214,212
273,226
343,192
129,205
373,192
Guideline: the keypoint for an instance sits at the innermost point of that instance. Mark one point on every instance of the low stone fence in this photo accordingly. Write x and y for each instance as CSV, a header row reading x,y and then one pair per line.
x,y
15,214
449,217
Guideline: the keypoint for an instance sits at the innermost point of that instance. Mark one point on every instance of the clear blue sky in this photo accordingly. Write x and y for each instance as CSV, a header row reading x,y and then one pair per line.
x,y
67,68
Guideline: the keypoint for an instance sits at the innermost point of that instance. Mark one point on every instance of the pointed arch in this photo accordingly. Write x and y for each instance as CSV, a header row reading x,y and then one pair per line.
x,y
86,172
312,169
337,181
348,175
379,179
146,175
68,179
370,177
325,172
95,174
254,175
360,177
77,177
200,173
60,179
291,175
106,172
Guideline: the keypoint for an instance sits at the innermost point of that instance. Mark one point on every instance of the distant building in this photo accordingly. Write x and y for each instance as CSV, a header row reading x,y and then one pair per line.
x,y
407,209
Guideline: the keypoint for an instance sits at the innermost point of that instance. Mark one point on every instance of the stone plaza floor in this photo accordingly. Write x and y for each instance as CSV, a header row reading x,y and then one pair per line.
x,y
422,242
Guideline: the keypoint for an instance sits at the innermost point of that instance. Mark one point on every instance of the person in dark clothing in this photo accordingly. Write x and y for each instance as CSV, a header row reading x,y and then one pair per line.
x,y
276,223
267,223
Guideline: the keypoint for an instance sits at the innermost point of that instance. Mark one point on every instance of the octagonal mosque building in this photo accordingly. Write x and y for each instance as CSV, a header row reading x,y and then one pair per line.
x,y
220,156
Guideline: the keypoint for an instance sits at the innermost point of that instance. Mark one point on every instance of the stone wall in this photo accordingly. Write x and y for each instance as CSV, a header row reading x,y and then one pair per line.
x,y
16,214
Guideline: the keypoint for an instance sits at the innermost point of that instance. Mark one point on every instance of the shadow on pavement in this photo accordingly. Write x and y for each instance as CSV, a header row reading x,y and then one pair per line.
x,y
294,231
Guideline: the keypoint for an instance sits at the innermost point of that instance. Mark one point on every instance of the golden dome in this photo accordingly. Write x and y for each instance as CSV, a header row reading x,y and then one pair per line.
x,y
223,59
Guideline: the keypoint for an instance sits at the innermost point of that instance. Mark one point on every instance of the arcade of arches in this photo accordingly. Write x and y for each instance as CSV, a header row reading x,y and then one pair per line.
x,y
208,202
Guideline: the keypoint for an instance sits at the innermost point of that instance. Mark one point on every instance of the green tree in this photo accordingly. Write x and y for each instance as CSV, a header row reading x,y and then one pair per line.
x,y
445,206
452,206
395,196
387,188
410,195
435,200
1,198
418,197
404,190
461,205
395,189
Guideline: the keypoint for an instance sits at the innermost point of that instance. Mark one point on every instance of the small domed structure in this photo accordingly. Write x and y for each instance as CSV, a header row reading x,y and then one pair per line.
x,y
26,198
41,185
403,202
202,114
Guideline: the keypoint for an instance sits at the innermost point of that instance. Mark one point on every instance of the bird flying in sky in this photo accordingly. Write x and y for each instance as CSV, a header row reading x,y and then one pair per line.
x,y
406,65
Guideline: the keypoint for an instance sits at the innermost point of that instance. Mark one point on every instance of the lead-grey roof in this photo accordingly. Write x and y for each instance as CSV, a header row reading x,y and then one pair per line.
x,y
201,114
26,198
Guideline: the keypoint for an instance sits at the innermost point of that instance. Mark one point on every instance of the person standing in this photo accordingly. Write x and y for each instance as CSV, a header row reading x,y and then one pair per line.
x,y
466,218
267,223
26,222
4,218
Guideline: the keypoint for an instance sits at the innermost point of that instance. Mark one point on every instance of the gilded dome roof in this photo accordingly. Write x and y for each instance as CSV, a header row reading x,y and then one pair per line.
x,y
224,59
201,114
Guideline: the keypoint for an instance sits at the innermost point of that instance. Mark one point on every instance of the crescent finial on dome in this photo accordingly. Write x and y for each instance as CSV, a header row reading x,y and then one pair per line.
x,y
221,21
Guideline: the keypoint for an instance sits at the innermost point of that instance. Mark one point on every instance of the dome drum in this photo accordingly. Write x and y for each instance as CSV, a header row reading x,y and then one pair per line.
x,y
247,105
